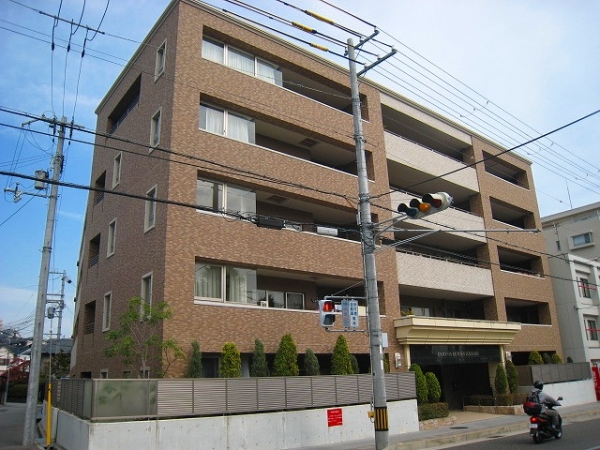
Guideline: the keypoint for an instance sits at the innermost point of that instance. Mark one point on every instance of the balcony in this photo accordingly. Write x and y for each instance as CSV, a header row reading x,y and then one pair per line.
x,y
410,163
439,330
438,278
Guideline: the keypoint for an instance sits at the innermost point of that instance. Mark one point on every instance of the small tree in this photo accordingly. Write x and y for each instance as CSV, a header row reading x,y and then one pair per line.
x,y
354,364
535,359
501,383
194,369
259,366
341,364
286,358
555,359
434,390
421,384
546,358
137,340
512,376
569,360
231,361
311,363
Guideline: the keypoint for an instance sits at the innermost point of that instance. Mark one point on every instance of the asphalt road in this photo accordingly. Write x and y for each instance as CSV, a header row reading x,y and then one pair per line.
x,y
583,435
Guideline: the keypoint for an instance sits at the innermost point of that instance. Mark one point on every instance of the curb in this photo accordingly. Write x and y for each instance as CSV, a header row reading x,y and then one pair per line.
x,y
464,437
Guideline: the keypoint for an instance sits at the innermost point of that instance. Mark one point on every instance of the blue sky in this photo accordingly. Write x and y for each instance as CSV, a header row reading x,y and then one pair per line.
x,y
510,69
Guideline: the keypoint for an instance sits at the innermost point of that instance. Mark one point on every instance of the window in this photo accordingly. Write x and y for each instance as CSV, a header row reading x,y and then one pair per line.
x,y
242,61
100,185
294,300
584,288
161,54
112,233
222,283
150,213
217,196
155,130
147,289
416,311
582,239
225,123
117,169
106,311
104,374
591,329
94,251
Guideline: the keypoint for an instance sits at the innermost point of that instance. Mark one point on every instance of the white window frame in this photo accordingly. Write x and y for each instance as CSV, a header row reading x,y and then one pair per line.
x,y
587,237
226,194
150,209
226,60
155,126
591,327
117,164
147,288
161,60
106,311
250,296
112,238
228,118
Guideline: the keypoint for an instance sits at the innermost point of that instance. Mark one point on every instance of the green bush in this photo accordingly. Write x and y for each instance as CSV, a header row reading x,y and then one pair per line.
x,y
194,369
479,400
421,384
569,360
259,366
341,364
286,358
433,411
231,361
535,359
504,400
311,363
354,363
500,383
512,376
546,358
555,359
434,390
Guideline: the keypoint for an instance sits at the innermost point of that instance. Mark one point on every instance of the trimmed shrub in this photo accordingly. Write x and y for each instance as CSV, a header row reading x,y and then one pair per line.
x,y
259,366
512,376
311,363
286,358
341,363
421,384
433,411
535,359
556,359
354,363
231,361
434,390
500,383
194,369
569,360
546,358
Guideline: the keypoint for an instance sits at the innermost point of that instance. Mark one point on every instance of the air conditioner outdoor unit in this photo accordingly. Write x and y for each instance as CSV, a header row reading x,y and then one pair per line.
x,y
263,303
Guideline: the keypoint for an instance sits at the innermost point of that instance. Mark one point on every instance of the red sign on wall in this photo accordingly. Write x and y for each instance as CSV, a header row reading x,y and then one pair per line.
x,y
334,417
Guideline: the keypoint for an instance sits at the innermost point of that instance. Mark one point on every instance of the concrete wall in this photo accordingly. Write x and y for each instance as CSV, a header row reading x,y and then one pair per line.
x,y
572,392
278,430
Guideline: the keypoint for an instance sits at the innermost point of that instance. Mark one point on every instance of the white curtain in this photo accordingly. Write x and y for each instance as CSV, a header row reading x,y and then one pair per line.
x,y
208,281
212,119
268,72
240,128
241,200
241,285
215,51
240,61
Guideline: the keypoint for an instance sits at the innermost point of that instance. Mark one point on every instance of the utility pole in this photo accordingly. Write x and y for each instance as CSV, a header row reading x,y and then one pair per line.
x,y
38,330
60,301
368,249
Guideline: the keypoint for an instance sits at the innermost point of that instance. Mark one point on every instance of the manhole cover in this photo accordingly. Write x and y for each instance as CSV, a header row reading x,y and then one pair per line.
x,y
458,428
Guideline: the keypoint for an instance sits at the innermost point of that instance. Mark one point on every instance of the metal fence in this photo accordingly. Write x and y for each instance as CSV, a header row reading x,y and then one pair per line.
x,y
108,399
554,373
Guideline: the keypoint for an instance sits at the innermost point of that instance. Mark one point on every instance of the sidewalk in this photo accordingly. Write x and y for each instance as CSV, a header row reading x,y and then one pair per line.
x,y
468,426
12,418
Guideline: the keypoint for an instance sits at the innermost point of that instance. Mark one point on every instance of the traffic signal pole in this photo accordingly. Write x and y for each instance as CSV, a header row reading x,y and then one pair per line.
x,y
370,272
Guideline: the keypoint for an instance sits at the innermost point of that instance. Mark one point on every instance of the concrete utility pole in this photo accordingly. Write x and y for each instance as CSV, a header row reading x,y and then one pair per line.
x,y
368,248
38,330
61,299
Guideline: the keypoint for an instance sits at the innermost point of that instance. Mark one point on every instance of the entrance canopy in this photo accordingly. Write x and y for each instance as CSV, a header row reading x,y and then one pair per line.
x,y
440,330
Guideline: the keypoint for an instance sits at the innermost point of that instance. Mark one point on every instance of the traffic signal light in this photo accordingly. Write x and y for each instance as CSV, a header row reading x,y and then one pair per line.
x,y
429,204
326,313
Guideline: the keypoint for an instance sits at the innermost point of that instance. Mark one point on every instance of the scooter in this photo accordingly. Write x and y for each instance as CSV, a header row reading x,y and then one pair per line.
x,y
540,425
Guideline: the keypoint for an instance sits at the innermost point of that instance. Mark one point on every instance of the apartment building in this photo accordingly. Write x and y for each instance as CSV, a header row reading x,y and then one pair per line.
x,y
230,158
571,238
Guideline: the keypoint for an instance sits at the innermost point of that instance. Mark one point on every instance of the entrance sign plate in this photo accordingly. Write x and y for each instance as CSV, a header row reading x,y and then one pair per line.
x,y
334,417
